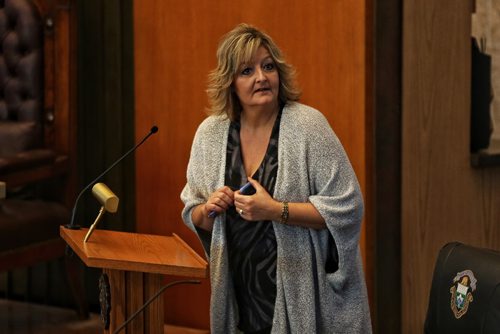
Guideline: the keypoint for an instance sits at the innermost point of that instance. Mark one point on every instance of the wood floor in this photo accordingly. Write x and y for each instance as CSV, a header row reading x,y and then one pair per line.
x,y
23,318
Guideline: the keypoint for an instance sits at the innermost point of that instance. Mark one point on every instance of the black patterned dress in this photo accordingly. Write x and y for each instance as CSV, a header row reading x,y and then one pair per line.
x,y
252,245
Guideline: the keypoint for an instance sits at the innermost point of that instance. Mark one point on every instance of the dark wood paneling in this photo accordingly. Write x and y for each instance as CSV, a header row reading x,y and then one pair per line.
x,y
106,112
387,167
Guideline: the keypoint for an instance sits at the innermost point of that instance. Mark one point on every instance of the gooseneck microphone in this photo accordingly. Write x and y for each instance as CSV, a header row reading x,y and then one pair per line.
x,y
72,224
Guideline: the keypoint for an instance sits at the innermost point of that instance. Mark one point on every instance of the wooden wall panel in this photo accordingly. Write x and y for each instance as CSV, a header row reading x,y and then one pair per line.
x,y
443,198
175,44
386,176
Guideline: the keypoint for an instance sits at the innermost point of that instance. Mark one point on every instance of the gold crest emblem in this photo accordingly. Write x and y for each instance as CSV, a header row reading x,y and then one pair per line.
x,y
464,284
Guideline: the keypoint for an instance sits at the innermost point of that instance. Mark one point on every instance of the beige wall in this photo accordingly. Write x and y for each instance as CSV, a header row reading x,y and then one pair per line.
x,y
175,43
443,198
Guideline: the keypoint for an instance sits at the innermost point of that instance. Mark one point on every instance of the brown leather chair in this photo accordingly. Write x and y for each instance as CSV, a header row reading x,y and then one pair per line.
x,y
37,130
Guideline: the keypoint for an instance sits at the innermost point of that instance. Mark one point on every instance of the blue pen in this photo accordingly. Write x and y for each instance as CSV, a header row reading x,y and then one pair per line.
x,y
247,189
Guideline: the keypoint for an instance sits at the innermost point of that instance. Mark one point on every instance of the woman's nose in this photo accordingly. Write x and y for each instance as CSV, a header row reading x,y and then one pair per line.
x,y
260,75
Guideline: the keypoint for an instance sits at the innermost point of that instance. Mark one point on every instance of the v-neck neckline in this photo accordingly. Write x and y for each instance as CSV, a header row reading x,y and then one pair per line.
x,y
257,171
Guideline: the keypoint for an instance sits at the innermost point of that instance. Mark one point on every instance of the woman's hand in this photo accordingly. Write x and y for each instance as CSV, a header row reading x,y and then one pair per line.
x,y
259,206
219,201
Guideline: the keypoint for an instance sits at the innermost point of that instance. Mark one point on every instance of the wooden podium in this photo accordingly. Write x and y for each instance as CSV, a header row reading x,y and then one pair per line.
x,y
134,265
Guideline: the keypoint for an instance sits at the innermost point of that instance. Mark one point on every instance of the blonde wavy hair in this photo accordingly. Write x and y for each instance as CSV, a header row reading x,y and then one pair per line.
x,y
237,47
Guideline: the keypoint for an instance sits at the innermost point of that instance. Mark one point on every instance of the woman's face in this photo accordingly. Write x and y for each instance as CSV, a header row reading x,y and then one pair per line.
x,y
257,83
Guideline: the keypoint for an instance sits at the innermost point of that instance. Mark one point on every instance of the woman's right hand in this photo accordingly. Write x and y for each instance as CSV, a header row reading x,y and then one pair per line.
x,y
219,201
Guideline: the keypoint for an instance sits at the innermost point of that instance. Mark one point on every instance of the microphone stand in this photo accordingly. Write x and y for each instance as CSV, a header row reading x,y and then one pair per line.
x,y
72,224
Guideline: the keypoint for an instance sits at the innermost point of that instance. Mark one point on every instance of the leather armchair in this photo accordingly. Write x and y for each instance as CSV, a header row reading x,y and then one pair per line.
x,y
37,130
465,292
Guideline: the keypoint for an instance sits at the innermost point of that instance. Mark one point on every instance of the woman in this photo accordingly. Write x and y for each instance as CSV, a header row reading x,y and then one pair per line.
x,y
286,258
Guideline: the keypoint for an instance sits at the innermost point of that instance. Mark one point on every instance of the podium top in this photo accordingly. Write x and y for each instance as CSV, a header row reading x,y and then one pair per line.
x,y
168,255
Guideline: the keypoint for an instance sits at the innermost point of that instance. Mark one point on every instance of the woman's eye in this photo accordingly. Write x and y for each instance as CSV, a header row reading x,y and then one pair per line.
x,y
269,66
246,71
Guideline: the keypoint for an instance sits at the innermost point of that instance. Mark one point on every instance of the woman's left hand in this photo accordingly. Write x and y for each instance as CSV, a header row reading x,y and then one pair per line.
x,y
259,206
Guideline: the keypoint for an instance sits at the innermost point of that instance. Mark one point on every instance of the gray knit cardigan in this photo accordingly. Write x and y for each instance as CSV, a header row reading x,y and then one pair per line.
x,y
313,167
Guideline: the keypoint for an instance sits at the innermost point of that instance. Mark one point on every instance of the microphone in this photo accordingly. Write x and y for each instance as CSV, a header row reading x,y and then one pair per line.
x,y
72,224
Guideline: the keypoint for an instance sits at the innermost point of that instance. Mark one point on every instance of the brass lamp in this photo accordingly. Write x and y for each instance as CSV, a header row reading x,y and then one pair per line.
x,y
109,202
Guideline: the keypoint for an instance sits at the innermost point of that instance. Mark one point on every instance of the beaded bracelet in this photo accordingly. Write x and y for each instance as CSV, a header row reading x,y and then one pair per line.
x,y
284,213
